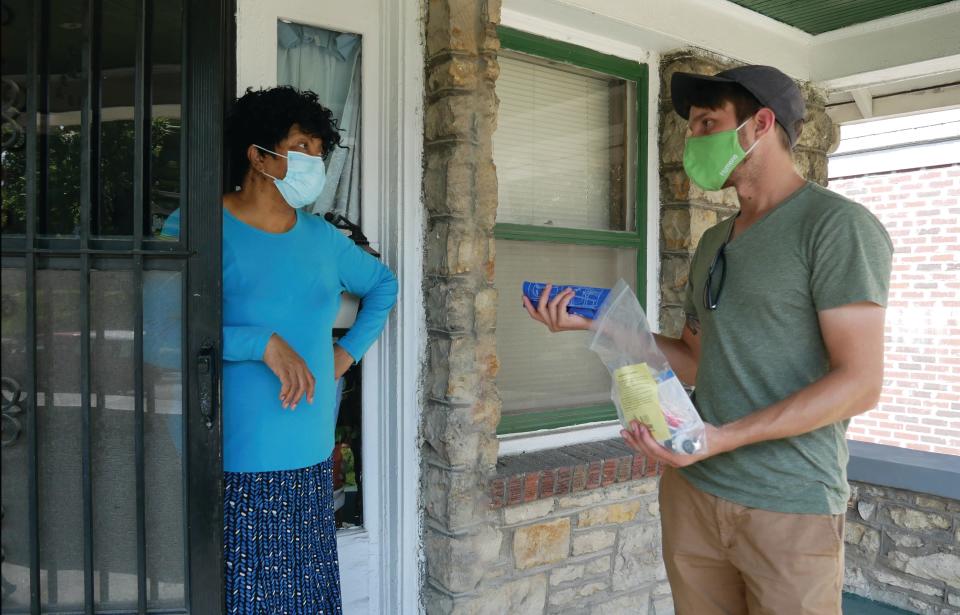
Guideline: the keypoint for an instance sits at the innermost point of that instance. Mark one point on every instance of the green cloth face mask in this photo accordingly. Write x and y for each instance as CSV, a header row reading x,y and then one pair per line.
x,y
709,160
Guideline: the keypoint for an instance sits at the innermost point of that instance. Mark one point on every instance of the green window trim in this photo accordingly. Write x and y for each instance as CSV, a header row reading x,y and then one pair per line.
x,y
628,70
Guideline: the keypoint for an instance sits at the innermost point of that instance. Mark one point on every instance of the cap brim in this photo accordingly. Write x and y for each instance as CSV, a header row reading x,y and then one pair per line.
x,y
683,85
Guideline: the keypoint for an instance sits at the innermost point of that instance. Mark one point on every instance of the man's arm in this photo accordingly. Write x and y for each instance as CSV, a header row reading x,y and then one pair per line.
x,y
853,336
683,354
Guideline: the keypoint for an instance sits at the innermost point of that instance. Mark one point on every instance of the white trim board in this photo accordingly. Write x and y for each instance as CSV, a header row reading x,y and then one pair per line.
x,y
905,46
516,444
386,554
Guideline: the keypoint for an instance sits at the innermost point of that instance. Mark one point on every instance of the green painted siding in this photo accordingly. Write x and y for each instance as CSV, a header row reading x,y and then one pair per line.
x,y
819,16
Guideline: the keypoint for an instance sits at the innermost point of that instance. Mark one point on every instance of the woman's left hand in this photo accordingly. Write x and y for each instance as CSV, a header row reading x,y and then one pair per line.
x,y
341,361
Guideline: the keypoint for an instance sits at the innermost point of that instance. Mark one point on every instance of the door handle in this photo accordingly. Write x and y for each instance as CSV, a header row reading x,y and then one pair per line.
x,y
207,381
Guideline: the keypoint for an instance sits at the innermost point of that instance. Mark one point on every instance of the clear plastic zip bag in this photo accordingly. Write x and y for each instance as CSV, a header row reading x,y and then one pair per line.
x,y
645,387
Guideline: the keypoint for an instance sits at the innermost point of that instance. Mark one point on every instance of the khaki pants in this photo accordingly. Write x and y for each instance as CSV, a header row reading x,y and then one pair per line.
x,y
723,558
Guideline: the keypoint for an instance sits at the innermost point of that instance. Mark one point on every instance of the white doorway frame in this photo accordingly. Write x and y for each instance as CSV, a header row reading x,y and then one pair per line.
x,y
380,563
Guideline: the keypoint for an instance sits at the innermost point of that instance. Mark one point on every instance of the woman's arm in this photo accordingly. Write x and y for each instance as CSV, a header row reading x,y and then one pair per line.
x,y
366,277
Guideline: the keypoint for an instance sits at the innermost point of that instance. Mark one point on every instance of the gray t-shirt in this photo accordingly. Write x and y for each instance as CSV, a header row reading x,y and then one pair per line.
x,y
815,251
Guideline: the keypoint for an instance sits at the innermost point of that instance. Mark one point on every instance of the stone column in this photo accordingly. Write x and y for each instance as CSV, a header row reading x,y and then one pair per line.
x,y
686,210
462,405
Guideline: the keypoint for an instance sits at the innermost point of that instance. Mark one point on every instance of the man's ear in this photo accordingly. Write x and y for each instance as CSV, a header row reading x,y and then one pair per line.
x,y
766,122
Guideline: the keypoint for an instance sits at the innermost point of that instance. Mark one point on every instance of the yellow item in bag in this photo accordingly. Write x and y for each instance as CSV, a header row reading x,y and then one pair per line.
x,y
639,399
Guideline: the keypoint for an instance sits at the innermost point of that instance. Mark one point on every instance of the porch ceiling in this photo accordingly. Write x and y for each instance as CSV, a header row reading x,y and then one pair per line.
x,y
819,16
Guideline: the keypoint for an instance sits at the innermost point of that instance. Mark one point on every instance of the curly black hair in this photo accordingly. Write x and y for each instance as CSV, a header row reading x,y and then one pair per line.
x,y
264,117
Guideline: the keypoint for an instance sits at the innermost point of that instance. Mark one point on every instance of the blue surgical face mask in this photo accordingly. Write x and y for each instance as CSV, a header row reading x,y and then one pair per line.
x,y
304,181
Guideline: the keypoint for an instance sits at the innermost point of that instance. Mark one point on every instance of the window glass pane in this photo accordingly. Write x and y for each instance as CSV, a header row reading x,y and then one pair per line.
x,y
564,146
13,476
13,99
112,213
163,437
60,425
113,458
58,210
540,370
165,89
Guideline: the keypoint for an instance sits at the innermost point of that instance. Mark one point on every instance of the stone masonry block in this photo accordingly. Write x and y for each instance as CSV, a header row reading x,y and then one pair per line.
x,y
674,274
569,595
453,73
457,564
450,306
593,541
671,321
438,349
631,604
616,514
452,498
637,560
559,576
819,132
527,512
933,567
811,164
673,130
450,117
463,435
544,543
455,25
675,228
700,220
917,520
451,364
524,596
485,310
601,565
862,540
454,248
901,582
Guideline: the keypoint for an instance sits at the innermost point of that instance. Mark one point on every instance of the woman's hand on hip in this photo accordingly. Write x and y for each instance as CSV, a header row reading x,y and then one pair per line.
x,y
342,360
295,378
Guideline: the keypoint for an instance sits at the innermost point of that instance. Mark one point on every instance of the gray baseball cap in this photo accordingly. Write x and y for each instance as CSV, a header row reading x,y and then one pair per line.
x,y
768,85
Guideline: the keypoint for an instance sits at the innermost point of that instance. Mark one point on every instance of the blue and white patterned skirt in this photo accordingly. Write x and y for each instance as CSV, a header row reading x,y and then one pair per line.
x,y
280,543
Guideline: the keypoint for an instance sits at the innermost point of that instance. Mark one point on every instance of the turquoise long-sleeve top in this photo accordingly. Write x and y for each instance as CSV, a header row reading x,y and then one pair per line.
x,y
290,284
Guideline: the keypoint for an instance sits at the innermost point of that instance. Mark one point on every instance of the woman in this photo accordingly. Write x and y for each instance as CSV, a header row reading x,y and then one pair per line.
x,y
283,273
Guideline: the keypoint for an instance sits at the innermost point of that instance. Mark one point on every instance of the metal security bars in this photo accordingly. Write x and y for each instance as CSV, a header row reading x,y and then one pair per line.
x,y
111,478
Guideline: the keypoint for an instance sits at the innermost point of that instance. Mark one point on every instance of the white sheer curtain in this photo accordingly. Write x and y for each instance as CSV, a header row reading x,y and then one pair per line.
x,y
328,63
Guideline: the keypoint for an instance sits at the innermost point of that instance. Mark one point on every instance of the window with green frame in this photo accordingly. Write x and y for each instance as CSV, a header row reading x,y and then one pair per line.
x,y
570,150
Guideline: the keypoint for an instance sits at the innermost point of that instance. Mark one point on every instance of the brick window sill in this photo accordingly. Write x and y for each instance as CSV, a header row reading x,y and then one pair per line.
x,y
571,469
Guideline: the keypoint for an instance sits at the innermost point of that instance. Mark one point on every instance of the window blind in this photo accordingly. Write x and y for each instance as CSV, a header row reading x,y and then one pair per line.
x,y
539,369
557,133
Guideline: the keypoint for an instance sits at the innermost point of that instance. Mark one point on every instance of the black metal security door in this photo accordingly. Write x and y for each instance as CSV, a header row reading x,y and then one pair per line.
x,y
111,181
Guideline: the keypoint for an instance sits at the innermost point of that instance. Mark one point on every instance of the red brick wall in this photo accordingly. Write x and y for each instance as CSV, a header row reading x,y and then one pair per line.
x,y
920,404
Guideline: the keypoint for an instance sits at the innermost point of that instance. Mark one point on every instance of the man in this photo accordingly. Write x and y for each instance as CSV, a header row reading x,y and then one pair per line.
x,y
784,342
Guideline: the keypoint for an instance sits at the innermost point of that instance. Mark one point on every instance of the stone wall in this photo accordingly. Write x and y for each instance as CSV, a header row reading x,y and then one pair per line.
x,y
462,407
581,534
903,548
686,210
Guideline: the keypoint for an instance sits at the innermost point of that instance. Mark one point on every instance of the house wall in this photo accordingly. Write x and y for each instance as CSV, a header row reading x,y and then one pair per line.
x,y
920,404
903,548
569,530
